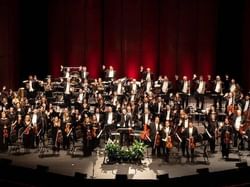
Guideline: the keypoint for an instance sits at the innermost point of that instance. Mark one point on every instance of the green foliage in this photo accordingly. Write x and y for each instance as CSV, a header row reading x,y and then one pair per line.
x,y
116,153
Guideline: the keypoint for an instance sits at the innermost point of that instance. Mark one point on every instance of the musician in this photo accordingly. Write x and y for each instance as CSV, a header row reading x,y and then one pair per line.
x,y
185,91
209,85
218,92
167,114
34,120
30,86
155,136
191,137
146,117
166,86
193,84
110,120
67,91
125,122
87,129
28,133
148,75
57,137
158,106
110,74
83,72
230,103
4,132
96,125
177,84
142,73
134,86
246,104
167,137
66,72
42,125
66,121
48,87
212,129
4,104
226,83
181,126
226,138
238,121
200,89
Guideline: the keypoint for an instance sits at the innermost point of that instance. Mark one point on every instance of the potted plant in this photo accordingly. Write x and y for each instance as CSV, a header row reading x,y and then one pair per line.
x,y
137,151
112,150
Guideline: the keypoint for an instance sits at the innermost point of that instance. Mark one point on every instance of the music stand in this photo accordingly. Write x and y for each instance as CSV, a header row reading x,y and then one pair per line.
x,y
122,132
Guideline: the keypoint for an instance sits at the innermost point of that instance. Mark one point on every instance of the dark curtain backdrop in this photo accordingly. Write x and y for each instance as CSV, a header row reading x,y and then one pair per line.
x,y
9,42
169,36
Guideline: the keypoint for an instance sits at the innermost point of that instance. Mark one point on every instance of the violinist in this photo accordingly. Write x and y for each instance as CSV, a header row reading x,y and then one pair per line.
x,y
191,135
87,136
95,131
57,137
238,121
212,129
4,132
28,133
155,136
66,127
167,137
226,138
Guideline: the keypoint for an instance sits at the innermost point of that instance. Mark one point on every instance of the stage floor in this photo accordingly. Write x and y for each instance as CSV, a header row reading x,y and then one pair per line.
x,y
94,166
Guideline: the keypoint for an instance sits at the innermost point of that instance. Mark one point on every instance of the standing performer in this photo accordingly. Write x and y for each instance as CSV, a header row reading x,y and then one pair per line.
x,y
226,138
167,137
4,132
57,137
155,136
191,135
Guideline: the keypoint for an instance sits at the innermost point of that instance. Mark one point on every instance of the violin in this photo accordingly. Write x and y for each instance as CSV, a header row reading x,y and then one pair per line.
x,y
227,137
169,143
157,140
145,133
191,142
5,133
89,133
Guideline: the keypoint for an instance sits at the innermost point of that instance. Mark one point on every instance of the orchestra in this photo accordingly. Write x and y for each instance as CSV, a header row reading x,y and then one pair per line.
x,y
76,108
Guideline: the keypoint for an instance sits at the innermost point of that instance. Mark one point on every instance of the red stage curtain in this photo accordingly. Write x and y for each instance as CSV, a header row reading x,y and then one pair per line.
x,y
169,36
